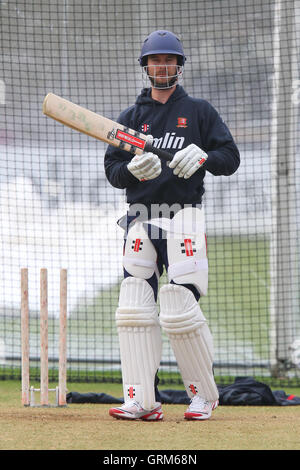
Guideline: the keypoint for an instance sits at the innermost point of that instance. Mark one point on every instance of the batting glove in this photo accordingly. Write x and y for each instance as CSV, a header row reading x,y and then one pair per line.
x,y
147,166
187,161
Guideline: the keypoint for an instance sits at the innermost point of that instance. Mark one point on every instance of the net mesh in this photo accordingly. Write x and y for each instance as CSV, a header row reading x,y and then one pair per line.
x,y
59,211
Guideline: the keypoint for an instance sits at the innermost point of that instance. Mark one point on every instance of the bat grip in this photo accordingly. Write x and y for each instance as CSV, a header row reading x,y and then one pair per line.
x,y
159,152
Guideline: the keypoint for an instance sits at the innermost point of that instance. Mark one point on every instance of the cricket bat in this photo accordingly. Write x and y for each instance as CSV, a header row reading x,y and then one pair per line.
x,y
99,127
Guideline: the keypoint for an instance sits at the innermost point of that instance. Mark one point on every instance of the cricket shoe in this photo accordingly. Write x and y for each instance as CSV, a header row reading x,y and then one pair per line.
x,y
133,410
200,408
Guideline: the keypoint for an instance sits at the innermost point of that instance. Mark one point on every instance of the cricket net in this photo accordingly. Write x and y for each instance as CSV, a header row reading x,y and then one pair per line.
x,y
59,211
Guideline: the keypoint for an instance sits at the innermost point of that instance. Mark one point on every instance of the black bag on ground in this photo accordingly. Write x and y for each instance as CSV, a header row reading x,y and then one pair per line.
x,y
245,391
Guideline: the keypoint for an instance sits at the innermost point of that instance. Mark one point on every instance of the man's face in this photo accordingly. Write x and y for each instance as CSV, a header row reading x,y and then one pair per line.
x,y
161,67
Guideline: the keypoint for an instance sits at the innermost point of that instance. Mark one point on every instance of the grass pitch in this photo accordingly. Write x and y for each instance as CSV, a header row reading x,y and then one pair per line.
x,y
89,426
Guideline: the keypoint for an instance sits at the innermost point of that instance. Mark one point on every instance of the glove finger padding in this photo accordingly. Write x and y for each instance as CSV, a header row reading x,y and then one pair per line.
x,y
187,161
146,166
154,171
143,162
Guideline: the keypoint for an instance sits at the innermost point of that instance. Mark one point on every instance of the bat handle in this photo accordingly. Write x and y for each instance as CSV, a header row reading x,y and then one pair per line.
x,y
159,152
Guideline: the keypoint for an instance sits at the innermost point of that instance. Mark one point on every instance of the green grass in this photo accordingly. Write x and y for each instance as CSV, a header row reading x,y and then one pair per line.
x,y
237,304
90,427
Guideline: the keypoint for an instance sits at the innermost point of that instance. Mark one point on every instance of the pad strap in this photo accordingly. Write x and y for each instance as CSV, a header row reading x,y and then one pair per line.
x,y
141,262
186,267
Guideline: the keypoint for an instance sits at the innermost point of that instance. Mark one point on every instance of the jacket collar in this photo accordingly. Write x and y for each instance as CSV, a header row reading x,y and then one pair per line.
x,y
145,96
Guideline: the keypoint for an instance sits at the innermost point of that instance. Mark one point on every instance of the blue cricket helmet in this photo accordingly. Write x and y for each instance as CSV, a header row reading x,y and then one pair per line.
x,y
162,42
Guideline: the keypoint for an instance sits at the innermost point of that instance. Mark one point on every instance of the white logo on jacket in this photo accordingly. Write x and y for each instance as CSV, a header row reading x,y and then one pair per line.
x,y
169,141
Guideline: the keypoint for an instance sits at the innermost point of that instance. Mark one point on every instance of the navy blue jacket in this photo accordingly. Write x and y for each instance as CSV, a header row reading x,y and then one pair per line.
x,y
181,121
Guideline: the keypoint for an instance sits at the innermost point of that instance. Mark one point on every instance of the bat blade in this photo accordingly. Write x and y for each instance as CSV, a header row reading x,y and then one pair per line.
x,y
93,124
97,126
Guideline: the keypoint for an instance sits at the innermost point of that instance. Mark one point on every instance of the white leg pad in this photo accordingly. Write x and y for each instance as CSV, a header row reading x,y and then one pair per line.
x,y
140,340
185,325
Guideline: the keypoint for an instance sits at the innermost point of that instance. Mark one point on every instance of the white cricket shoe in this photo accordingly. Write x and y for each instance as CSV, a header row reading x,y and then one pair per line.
x,y
133,410
200,408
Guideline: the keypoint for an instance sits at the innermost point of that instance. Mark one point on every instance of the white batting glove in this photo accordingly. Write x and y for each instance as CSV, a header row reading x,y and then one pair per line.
x,y
145,167
187,161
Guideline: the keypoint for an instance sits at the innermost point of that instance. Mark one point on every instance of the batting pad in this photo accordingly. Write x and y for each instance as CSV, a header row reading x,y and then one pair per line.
x,y
186,327
140,340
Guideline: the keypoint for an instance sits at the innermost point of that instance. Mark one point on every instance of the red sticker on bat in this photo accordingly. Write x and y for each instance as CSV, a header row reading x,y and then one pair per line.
x,y
130,139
